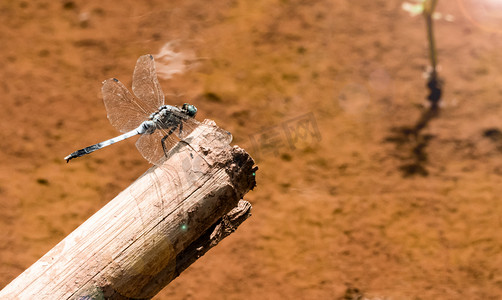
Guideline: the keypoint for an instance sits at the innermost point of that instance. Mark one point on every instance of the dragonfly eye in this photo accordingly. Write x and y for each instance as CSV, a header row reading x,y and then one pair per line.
x,y
190,109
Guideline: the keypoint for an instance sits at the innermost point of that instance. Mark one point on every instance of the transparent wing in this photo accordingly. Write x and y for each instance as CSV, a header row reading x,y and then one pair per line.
x,y
145,84
123,110
190,124
150,145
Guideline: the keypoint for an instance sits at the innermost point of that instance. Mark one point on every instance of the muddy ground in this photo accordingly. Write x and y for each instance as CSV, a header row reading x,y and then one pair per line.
x,y
347,207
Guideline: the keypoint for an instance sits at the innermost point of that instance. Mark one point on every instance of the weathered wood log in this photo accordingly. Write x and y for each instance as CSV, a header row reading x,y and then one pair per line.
x,y
151,231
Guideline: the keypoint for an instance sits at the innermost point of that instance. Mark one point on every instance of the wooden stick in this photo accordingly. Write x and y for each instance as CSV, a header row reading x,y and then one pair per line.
x,y
151,231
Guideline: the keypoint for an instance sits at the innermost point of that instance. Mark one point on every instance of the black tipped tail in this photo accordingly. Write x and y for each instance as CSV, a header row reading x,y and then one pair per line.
x,y
69,157
82,152
75,154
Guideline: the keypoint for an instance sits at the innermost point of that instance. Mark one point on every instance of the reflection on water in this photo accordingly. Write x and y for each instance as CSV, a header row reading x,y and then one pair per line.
x,y
173,58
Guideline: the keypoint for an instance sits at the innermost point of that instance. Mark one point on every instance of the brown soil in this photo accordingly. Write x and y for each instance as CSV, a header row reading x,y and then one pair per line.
x,y
360,210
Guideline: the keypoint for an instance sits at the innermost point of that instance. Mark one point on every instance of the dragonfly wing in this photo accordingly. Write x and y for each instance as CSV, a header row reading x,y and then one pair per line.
x,y
145,84
190,124
222,135
123,110
150,145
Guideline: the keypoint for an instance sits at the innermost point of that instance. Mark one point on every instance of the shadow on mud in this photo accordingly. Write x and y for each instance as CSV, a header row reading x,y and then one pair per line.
x,y
410,141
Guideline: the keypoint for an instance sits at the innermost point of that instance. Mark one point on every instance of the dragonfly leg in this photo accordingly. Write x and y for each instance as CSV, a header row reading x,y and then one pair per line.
x,y
181,129
163,140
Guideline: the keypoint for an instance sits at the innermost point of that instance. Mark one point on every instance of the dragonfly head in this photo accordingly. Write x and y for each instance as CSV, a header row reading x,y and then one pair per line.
x,y
189,109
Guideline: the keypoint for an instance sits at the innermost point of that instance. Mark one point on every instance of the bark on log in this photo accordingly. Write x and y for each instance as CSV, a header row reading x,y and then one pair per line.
x,y
151,231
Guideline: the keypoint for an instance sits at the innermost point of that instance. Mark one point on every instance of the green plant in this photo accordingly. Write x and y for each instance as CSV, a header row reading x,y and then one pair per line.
x,y
427,8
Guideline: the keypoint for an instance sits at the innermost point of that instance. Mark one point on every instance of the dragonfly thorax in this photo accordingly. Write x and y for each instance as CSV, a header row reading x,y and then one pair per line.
x,y
163,113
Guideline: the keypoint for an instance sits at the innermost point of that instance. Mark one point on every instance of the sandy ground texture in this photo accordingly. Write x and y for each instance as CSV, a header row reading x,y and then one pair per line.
x,y
318,92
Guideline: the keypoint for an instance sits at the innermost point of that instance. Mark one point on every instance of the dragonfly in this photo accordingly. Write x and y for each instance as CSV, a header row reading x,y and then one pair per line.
x,y
144,113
